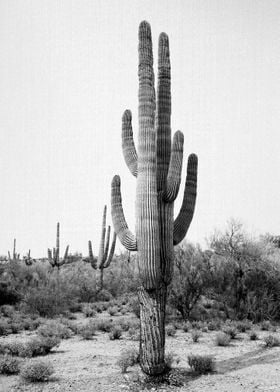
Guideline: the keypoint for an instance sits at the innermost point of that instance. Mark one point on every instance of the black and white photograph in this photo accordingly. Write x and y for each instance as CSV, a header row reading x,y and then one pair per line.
x,y
140,184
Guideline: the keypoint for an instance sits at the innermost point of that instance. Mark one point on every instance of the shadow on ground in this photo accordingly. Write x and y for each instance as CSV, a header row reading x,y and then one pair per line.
x,y
256,357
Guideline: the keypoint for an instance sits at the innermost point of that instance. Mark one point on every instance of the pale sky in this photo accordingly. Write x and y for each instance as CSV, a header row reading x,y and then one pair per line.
x,y
68,70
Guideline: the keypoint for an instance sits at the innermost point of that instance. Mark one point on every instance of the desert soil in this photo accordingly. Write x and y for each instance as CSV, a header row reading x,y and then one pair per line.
x,y
91,366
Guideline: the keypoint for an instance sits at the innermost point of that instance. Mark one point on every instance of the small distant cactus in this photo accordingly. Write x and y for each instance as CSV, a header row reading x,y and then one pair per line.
x,y
27,259
104,256
16,256
53,256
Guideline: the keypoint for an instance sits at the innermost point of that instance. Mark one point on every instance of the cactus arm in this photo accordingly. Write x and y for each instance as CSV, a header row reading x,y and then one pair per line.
x,y
57,243
163,111
107,243
127,239
184,218
175,168
92,260
112,250
9,255
14,250
66,253
50,258
103,233
128,147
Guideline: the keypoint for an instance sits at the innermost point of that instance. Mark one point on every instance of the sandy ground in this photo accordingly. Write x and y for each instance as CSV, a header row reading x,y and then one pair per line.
x,y
90,366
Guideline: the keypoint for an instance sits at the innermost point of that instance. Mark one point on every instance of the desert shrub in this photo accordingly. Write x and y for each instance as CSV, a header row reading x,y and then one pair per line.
x,y
124,324
253,335
16,327
13,348
9,365
42,345
28,324
116,333
128,358
188,283
243,326
47,301
170,359
7,310
88,310
33,347
134,334
265,325
37,371
69,315
214,325
54,328
197,324
196,334
201,364
186,327
8,295
112,310
74,307
72,325
222,339
271,341
104,295
231,331
5,328
170,330
104,325
88,330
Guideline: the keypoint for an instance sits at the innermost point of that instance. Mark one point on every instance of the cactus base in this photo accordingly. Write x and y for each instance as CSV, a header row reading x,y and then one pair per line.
x,y
152,333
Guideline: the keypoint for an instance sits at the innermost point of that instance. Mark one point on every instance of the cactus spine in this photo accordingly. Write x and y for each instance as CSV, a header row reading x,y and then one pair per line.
x,y
53,256
157,166
104,256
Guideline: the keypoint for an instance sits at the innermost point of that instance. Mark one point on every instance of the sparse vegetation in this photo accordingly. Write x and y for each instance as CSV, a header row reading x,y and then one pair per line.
x,y
9,365
127,359
201,364
196,335
272,341
222,339
37,371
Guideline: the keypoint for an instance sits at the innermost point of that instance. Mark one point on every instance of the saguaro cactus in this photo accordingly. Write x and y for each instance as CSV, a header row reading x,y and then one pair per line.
x,y
53,256
27,259
157,165
16,256
104,256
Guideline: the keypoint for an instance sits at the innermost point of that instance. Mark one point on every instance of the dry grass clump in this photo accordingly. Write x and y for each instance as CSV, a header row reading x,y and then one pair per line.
x,y
201,364
170,330
9,365
196,335
37,371
271,341
222,339
128,358
115,333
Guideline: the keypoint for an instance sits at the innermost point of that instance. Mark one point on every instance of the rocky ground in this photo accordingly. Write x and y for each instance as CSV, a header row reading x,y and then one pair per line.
x,y
91,366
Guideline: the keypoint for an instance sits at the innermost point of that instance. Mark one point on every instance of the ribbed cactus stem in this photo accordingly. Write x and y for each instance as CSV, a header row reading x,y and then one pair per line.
x,y
15,255
53,256
157,164
104,256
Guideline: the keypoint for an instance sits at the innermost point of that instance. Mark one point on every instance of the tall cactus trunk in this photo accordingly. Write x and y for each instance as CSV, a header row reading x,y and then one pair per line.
x,y
157,165
152,332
